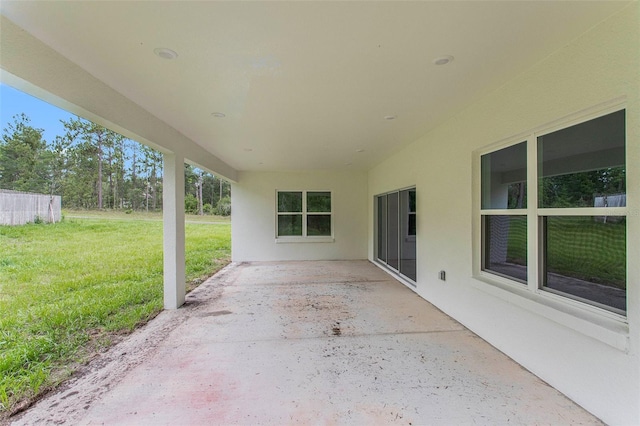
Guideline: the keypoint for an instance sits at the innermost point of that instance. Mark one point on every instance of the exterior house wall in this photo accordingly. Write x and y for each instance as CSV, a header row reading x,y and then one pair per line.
x,y
253,209
596,363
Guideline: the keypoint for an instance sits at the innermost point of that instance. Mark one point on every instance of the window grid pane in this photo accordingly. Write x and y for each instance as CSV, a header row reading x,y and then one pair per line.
x,y
585,256
504,176
290,202
289,225
584,165
318,225
319,202
505,246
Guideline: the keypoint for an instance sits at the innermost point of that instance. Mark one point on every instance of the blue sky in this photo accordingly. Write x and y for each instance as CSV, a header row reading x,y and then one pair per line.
x,y
43,115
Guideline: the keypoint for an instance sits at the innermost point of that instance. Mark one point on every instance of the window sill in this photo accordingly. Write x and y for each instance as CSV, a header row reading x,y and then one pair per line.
x,y
287,240
604,326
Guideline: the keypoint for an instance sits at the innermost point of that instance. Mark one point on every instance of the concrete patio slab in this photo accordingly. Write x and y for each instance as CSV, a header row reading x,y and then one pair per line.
x,y
306,343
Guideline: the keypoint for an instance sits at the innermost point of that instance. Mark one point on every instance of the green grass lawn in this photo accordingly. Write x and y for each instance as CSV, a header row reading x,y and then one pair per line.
x,y
587,249
578,247
67,289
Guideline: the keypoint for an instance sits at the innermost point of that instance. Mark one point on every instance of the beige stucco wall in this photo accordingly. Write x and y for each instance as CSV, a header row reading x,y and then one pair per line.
x,y
600,373
254,216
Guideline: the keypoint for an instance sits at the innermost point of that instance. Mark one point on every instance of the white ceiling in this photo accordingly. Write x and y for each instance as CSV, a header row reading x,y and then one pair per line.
x,y
305,85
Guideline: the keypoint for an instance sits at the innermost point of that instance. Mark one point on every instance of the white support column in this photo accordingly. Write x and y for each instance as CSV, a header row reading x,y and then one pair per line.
x,y
173,235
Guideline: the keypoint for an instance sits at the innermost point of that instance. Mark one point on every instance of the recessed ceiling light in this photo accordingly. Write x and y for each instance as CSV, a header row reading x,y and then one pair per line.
x,y
360,150
218,114
165,53
390,117
443,60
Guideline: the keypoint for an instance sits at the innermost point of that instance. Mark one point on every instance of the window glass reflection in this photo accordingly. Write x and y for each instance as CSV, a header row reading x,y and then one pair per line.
x,y
585,256
505,242
408,233
289,224
392,230
504,175
584,165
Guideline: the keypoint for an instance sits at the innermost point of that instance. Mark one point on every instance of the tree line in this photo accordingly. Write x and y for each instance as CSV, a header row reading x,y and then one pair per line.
x,y
92,167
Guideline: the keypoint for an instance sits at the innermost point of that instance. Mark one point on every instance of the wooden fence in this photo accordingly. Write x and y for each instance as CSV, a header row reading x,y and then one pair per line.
x,y
18,208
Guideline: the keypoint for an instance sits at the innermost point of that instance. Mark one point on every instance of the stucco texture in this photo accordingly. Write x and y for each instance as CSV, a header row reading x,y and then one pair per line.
x,y
601,66
254,215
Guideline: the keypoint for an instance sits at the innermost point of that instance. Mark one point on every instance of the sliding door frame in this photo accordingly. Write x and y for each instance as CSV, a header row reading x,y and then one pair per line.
x,y
383,245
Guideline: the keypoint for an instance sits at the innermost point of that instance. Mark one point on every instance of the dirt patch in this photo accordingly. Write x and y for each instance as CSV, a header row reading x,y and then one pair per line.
x,y
107,366
336,331
214,314
194,283
90,381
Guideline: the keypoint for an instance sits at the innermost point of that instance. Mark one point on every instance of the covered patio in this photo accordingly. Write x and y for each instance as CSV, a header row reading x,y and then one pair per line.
x,y
322,342
415,135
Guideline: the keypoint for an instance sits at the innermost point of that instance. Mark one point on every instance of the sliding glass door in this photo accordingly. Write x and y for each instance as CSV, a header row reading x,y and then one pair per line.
x,y
396,231
393,231
381,230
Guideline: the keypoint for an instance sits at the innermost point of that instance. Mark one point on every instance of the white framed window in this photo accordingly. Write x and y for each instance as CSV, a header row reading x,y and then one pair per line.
x,y
504,214
552,213
304,216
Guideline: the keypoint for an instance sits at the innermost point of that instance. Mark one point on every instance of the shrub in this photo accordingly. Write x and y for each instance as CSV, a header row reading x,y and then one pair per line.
x,y
190,204
223,208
